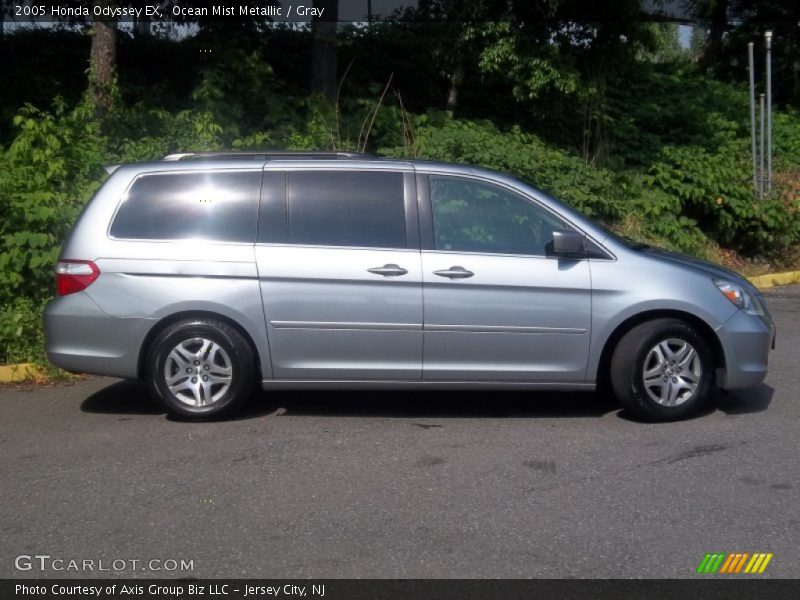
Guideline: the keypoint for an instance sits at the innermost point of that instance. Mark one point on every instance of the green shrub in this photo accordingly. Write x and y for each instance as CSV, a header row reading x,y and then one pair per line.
x,y
786,140
141,134
654,106
596,192
716,191
48,173
22,331
656,217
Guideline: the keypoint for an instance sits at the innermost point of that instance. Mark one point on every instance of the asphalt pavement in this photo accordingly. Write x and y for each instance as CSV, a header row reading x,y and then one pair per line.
x,y
400,484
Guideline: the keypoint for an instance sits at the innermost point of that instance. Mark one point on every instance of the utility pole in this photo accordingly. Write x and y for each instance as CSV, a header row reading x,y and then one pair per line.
x,y
761,169
768,37
762,175
751,68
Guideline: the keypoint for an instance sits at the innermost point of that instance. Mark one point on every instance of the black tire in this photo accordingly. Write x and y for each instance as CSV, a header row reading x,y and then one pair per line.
x,y
214,401
628,365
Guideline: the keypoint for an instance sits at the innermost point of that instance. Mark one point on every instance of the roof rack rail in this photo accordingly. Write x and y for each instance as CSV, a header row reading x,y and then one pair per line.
x,y
267,155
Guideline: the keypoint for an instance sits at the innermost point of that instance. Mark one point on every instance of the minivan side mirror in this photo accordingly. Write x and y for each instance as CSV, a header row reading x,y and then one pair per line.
x,y
568,242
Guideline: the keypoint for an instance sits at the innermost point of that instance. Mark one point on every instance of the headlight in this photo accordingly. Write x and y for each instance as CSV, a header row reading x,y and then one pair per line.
x,y
740,297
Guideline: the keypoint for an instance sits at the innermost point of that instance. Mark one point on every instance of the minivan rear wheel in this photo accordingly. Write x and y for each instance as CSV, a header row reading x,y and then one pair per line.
x,y
662,370
200,368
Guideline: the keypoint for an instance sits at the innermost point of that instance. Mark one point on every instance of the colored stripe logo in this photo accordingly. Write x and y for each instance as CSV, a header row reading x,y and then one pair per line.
x,y
734,562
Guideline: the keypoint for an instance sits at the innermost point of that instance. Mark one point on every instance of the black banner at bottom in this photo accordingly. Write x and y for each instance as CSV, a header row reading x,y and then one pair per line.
x,y
398,589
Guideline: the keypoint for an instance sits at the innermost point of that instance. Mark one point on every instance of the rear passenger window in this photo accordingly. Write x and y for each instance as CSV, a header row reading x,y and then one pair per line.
x,y
335,208
217,206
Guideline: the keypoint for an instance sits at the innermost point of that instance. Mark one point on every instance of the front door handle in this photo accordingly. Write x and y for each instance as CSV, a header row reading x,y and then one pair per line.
x,y
454,273
390,270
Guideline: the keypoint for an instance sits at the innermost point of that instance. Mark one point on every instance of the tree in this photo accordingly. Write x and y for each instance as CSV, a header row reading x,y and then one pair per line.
x,y
103,60
103,53
324,58
716,12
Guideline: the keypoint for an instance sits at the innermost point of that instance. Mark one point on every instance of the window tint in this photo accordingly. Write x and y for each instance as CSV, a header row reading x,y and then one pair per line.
x,y
335,208
473,216
219,206
272,213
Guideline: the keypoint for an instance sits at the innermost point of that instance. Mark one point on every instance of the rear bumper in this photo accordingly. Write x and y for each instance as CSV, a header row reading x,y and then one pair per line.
x,y
80,337
746,341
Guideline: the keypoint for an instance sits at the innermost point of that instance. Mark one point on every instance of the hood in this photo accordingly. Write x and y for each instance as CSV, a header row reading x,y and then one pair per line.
x,y
697,264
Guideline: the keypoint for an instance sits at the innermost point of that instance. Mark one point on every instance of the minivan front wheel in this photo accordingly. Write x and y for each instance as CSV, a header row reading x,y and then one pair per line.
x,y
662,370
200,368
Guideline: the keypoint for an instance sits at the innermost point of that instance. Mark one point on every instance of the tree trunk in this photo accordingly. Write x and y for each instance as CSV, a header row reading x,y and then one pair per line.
x,y
103,62
718,16
456,77
324,63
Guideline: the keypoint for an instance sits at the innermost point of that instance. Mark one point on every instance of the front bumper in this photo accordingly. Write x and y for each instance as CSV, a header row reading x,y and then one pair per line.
x,y
746,341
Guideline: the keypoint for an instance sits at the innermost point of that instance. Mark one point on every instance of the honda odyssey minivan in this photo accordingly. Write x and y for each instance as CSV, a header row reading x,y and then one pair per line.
x,y
204,274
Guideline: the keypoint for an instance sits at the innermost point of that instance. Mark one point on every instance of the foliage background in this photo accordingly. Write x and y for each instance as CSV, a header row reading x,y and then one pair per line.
x,y
619,121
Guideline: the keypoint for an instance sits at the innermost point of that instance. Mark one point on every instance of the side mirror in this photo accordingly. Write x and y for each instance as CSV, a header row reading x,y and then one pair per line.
x,y
568,242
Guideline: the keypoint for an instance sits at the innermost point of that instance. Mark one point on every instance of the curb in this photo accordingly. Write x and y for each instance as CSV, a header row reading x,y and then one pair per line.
x,y
19,372
773,279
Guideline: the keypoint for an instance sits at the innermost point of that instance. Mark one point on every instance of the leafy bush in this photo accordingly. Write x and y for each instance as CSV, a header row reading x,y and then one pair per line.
x,y
47,174
596,192
653,106
716,191
786,140
22,331
140,134
656,217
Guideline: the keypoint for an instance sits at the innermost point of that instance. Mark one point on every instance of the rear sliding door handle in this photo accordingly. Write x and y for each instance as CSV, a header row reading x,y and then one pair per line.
x,y
390,270
454,273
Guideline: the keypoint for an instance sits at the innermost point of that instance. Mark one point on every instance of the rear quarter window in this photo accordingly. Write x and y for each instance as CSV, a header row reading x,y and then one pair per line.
x,y
215,206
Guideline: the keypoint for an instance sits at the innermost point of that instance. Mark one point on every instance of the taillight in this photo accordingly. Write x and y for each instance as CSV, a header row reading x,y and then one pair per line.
x,y
75,275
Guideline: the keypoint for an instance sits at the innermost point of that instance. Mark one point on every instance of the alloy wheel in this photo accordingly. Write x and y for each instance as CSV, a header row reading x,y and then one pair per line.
x,y
672,372
198,372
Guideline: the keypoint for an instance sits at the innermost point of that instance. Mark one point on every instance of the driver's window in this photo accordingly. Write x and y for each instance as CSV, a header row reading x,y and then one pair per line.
x,y
474,216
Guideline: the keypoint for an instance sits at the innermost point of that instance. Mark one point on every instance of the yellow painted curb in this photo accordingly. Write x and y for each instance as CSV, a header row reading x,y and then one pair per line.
x,y
773,279
19,372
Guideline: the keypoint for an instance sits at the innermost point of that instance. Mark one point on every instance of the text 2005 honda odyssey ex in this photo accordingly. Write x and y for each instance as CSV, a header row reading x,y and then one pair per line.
x,y
205,273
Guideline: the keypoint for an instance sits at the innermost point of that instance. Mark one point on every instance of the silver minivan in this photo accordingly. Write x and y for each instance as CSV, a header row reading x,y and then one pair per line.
x,y
204,273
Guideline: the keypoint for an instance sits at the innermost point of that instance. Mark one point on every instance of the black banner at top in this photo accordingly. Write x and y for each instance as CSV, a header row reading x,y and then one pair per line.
x,y
347,11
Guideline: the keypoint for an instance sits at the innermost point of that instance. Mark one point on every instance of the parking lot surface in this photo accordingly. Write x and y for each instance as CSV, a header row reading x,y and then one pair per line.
x,y
402,484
